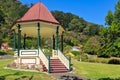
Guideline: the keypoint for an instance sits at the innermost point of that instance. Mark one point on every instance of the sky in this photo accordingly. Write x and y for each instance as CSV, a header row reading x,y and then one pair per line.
x,y
93,11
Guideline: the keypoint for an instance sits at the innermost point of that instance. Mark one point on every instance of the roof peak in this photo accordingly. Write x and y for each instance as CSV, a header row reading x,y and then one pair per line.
x,y
38,12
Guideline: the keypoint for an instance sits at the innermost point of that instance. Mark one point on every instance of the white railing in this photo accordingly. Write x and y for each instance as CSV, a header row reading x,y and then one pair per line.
x,y
44,59
27,53
64,59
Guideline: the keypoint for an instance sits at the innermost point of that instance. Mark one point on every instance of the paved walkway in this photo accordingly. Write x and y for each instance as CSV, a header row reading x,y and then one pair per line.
x,y
2,57
67,76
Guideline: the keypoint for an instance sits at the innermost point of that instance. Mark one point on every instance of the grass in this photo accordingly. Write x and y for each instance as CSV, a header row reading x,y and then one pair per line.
x,y
97,71
7,74
94,71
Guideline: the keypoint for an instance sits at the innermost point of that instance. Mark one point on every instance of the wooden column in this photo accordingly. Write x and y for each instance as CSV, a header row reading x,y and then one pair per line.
x,y
24,45
39,39
53,42
19,39
57,32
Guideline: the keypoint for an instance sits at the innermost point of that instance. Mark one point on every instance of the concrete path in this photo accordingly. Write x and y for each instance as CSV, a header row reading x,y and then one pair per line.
x,y
2,57
67,76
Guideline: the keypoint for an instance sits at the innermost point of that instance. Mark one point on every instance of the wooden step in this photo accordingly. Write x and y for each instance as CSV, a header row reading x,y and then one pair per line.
x,y
58,71
56,66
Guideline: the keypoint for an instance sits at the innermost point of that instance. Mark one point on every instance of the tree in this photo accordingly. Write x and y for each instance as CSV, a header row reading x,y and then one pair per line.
x,y
63,18
114,31
69,21
92,45
117,11
76,25
111,35
109,18
91,30
12,9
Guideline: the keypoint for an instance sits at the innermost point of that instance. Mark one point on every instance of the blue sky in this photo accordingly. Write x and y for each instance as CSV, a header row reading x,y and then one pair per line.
x,y
91,10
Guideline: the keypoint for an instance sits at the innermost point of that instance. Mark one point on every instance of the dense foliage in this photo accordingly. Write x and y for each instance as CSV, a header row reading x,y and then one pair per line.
x,y
110,36
80,29
10,11
74,23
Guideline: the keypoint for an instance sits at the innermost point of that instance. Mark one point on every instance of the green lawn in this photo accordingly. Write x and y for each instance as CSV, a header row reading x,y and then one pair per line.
x,y
94,71
7,74
97,71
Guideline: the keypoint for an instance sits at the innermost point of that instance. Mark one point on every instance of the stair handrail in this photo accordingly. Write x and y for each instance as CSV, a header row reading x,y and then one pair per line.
x,y
66,61
45,60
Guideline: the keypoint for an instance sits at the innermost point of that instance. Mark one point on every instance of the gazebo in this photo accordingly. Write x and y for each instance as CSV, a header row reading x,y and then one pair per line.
x,y
39,22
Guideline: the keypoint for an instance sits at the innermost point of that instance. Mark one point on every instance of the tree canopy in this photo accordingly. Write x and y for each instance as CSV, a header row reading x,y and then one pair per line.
x,y
111,35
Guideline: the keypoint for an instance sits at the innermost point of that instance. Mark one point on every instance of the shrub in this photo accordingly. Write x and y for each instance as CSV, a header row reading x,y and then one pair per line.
x,y
7,52
109,78
84,57
102,60
114,61
92,58
70,55
75,53
11,52
3,53
78,57
47,51
104,55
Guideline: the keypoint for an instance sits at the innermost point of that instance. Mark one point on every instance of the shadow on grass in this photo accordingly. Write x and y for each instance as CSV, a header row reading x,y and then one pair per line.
x,y
31,77
67,77
109,78
4,76
16,74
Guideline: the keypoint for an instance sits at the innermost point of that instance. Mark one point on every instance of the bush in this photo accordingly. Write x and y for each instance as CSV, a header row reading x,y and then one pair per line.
x,y
3,53
70,55
84,58
11,52
114,61
78,57
7,52
109,78
48,51
92,58
104,55
75,53
102,60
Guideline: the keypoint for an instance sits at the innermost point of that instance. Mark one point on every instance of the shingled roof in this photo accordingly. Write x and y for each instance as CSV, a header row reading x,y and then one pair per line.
x,y
38,12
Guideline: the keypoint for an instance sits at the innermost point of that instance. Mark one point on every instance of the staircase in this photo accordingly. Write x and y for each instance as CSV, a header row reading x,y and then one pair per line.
x,y
56,66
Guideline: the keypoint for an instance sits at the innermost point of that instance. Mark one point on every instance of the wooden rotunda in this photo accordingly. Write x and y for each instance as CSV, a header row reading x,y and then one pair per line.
x,y
39,22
